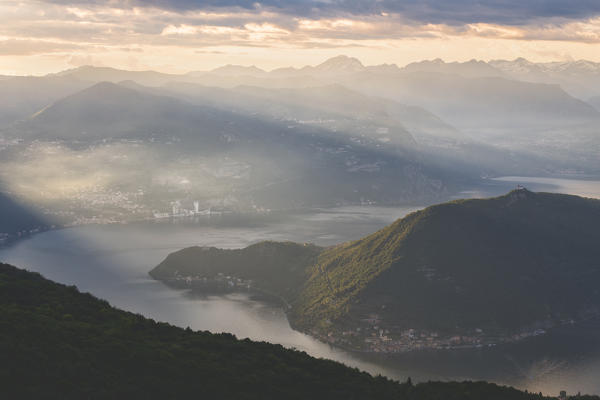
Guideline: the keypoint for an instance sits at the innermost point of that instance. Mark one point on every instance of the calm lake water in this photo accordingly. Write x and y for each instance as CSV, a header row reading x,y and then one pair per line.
x,y
112,262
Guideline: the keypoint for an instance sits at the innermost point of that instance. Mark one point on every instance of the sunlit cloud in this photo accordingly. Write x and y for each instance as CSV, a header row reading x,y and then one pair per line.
x,y
21,47
204,34
179,30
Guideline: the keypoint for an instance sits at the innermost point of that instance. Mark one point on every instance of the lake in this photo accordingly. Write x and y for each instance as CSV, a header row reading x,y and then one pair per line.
x,y
112,262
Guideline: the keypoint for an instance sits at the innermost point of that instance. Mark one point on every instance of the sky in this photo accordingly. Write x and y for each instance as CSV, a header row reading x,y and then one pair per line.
x,y
176,36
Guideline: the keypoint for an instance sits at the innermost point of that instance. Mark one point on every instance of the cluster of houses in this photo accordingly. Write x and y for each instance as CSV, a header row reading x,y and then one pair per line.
x,y
219,282
373,336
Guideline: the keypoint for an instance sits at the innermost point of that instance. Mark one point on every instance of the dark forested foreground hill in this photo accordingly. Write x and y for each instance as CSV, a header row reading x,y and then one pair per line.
x,y
59,343
464,273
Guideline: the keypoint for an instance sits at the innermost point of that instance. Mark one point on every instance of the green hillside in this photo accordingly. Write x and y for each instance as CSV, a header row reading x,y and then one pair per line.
x,y
58,343
489,270
277,268
503,264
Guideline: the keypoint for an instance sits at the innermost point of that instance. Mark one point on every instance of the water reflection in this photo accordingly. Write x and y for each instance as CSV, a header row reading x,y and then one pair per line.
x,y
113,261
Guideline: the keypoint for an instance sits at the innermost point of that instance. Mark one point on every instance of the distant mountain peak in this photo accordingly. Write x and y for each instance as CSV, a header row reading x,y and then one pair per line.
x,y
232,69
520,193
105,87
521,65
471,68
82,68
341,63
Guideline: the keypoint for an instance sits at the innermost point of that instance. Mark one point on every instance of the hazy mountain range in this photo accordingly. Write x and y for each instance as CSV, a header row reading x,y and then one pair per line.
x,y
204,152
584,75
241,138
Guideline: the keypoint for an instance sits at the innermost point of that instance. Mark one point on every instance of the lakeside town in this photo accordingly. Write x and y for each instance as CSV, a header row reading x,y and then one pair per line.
x,y
103,206
373,335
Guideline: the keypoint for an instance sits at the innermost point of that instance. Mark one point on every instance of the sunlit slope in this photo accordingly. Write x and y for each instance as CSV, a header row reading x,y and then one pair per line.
x,y
501,263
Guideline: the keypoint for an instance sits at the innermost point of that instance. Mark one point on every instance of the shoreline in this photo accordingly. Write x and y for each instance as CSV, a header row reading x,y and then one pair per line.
x,y
12,238
444,343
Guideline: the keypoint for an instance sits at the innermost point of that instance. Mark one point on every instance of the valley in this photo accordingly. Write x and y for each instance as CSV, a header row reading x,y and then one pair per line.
x,y
246,140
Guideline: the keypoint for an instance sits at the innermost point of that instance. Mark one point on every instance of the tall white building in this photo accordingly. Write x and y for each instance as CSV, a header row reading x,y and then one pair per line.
x,y
176,207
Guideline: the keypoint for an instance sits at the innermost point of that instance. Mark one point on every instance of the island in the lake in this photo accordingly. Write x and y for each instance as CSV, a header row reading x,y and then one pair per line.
x,y
468,273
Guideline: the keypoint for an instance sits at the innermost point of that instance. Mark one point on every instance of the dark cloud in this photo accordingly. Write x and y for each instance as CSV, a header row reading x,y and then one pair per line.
x,y
509,12
454,12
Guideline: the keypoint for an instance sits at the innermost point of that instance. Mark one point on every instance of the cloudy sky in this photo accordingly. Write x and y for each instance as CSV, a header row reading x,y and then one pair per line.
x,y
38,37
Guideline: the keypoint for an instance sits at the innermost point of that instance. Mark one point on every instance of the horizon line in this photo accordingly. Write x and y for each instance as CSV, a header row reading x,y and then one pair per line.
x,y
302,66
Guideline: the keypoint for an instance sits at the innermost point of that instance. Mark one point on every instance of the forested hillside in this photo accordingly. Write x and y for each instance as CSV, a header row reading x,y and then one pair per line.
x,y
59,343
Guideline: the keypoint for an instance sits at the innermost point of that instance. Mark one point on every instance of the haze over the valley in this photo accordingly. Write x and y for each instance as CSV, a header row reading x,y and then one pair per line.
x,y
259,106
241,139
